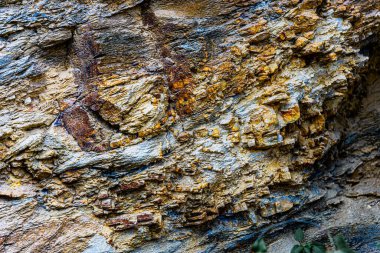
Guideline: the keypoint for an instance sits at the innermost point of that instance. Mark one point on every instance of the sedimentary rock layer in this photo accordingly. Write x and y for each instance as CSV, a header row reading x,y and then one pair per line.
x,y
184,126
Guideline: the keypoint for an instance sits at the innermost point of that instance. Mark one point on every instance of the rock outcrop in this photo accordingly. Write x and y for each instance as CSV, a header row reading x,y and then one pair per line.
x,y
174,126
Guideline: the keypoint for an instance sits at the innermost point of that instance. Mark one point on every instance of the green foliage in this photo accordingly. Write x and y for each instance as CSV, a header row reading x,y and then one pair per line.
x,y
313,247
308,247
339,242
318,247
259,246
297,249
341,245
299,235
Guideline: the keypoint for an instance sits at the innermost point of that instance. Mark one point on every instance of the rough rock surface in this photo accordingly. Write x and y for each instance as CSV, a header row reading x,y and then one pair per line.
x,y
187,126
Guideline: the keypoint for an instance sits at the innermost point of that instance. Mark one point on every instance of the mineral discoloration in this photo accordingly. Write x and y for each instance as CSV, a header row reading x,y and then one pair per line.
x,y
77,123
165,126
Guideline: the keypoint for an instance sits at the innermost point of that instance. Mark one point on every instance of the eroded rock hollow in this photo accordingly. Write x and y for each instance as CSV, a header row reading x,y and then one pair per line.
x,y
188,126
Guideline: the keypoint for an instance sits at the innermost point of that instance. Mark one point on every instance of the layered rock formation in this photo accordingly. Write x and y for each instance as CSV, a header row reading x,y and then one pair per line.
x,y
172,126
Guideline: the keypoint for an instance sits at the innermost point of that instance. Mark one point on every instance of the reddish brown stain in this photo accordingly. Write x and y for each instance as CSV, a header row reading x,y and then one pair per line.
x,y
177,70
93,101
77,123
134,185
124,223
144,217
85,50
76,119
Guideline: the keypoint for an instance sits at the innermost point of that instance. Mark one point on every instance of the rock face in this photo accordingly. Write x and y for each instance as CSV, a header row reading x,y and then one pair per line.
x,y
187,126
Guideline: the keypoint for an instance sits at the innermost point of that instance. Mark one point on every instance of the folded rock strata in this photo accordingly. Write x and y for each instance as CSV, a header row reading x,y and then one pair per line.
x,y
174,126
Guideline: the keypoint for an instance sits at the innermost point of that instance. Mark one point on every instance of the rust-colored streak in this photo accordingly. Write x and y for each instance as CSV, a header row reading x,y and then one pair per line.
x,y
77,123
181,84
85,49
93,101
180,81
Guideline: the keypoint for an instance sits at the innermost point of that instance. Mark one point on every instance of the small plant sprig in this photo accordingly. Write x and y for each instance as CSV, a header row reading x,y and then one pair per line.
x,y
306,247
339,243
259,246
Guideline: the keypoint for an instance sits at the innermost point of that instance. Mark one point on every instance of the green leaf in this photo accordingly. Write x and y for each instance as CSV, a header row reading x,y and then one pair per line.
x,y
347,250
297,249
299,235
307,249
318,248
341,245
318,244
259,246
339,242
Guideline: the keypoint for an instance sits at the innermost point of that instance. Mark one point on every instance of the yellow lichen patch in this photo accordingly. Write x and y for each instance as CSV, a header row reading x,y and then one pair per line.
x,y
234,137
196,188
236,51
15,183
120,142
235,128
112,81
184,103
226,67
201,132
306,19
291,114
3,151
215,133
332,56
318,124
267,53
278,10
206,69
301,42
255,48
240,79
315,47
287,35
181,83
256,28
155,129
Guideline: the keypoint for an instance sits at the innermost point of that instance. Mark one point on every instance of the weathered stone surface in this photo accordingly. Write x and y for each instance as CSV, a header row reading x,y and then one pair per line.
x,y
174,126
